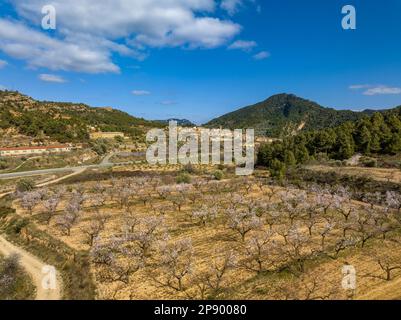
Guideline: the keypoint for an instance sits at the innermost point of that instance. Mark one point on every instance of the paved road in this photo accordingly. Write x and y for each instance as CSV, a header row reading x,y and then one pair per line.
x,y
104,164
34,267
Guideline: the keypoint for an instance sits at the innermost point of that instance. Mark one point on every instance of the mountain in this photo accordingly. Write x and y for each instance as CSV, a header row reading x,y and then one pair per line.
x,y
62,121
285,114
180,122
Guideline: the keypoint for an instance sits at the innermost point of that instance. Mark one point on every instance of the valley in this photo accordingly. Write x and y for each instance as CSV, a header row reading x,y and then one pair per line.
x,y
119,228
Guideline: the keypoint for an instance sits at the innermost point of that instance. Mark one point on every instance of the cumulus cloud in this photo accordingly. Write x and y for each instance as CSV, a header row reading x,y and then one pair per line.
x,y
242,45
51,78
42,51
140,93
89,32
3,64
261,55
382,90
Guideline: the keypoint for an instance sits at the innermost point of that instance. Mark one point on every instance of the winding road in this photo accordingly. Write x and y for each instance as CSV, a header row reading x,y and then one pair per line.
x,y
104,164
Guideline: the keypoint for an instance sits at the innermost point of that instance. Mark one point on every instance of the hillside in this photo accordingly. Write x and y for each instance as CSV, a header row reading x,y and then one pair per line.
x,y
285,114
379,134
64,122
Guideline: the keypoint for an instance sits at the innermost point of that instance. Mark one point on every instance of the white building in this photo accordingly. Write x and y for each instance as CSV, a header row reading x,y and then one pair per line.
x,y
21,151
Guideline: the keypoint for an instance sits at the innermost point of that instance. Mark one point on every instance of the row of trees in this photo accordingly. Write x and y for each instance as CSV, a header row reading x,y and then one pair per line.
x,y
265,229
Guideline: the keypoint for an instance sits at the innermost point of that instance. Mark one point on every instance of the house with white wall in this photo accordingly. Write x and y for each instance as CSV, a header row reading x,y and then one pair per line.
x,y
22,151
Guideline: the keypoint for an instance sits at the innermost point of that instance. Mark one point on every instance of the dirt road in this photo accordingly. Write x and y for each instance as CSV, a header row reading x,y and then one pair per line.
x,y
34,267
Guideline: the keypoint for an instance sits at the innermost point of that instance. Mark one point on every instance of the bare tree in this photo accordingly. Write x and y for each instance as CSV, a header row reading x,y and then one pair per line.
x,y
51,206
299,248
343,205
124,196
393,200
130,221
65,222
387,261
373,198
272,215
293,203
116,259
92,230
341,245
210,280
164,192
310,222
176,260
142,233
270,192
365,228
323,201
144,196
242,221
205,214
259,251
177,200
30,200
310,286
325,232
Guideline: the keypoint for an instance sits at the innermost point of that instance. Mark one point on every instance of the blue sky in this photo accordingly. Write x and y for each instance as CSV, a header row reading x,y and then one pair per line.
x,y
198,59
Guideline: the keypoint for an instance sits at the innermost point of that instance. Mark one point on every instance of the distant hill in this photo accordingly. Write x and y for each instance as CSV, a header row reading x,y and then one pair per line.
x,y
62,121
285,114
180,122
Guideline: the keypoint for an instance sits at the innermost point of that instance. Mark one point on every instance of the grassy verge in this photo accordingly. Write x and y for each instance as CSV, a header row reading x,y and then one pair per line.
x,y
74,266
21,288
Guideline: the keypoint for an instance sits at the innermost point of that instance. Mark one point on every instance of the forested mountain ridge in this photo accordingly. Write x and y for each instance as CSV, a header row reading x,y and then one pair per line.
x,y
376,134
285,114
64,122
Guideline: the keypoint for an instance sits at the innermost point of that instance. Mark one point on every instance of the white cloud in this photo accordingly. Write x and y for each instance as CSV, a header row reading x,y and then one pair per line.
x,y
3,64
51,78
382,90
359,86
2,87
89,32
231,6
261,55
40,50
168,102
243,45
234,6
373,90
140,93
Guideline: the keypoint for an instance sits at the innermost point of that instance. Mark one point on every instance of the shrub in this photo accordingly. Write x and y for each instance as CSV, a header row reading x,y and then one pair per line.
x,y
278,169
3,164
16,225
25,185
368,162
183,178
189,168
5,211
218,175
